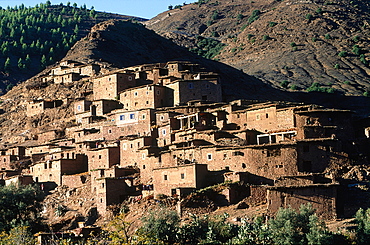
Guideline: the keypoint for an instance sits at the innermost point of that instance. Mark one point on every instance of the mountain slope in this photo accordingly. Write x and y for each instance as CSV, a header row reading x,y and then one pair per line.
x,y
298,42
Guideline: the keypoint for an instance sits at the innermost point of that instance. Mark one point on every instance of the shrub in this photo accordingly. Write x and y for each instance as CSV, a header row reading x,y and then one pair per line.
x,y
284,84
249,36
362,219
316,87
243,27
363,59
327,36
347,82
356,49
215,15
254,16
239,16
265,37
356,38
293,44
309,16
342,54
294,87
272,24
314,39
336,66
319,10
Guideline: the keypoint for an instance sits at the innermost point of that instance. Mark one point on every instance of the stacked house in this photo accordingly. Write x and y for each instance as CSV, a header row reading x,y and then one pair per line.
x,y
168,123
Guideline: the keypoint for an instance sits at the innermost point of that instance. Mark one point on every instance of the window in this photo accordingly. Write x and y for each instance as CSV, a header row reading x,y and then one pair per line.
x,y
143,116
243,165
143,166
99,156
209,156
258,116
164,132
190,86
122,117
130,78
208,86
158,92
135,93
109,131
124,146
165,177
182,176
143,156
162,118
79,107
147,102
45,166
132,116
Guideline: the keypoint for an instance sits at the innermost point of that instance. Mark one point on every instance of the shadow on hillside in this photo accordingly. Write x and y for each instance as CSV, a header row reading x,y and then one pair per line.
x,y
126,44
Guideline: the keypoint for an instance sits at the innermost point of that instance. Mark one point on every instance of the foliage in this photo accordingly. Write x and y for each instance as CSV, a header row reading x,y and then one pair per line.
x,y
284,84
215,15
272,24
207,47
119,233
255,232
265,37
161,224
363,222
239,16
309,16
356,50
20,235
303,227
293,44
255,15
316,87
342,54
19,206
327,36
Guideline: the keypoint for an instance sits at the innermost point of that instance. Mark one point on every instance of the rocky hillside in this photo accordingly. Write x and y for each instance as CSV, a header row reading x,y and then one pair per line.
x,y
290,44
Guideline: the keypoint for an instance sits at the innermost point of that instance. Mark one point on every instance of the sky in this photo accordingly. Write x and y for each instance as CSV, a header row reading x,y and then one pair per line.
x,y
139,8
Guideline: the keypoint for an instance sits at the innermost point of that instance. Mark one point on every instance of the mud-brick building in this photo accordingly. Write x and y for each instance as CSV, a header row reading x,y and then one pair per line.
x,y
137,122
190,90
146,96
47,136
179,180
104,157
36,107
53,170
293,191
110,85
66,78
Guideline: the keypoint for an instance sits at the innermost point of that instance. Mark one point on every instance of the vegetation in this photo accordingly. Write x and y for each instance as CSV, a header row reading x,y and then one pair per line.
x,y
285,84
342,54
207,47
34,37
19,206
255,15
316,87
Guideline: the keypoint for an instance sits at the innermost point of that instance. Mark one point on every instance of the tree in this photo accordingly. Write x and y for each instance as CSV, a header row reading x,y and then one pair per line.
x,y
170,7
161,224
7,65
362,219
76,30
20,206
43,61
20,63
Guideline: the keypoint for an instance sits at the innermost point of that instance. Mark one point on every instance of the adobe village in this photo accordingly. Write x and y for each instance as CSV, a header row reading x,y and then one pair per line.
x,y
162,129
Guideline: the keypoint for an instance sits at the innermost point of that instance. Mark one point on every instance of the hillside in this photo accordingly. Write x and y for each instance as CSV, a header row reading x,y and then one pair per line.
x,y
290,44
33,38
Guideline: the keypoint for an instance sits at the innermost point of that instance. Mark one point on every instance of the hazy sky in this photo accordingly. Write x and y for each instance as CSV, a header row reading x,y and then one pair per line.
x,y
139,8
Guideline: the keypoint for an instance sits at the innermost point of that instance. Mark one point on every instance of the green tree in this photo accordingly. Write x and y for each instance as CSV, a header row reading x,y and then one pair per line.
x,y
7,65
43,61
362,219
20,206
159,225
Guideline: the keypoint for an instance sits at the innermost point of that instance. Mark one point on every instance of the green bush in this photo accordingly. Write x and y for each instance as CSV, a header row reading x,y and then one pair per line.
x,y
293,44
309,16
327,36
316,87
272,24
265,37
284,84
356,38
239,16
215,15
336,66
255,15
342,54
356,50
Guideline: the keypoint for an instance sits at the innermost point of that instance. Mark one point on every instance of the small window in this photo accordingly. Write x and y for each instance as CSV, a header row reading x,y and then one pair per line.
x,y
132,116
164,132
144,167
135,93
165,177
258,116
79,107
124,146
147,102
143,156
162,118
190,86
143,116
122,117
209,156
208,86
130,78
109,131
158,92
243,165
182,176
99,156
